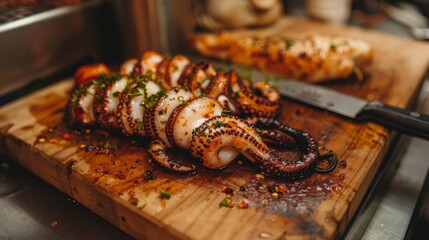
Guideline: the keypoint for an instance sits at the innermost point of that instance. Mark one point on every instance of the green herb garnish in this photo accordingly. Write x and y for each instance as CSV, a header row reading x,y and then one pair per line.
x,y
143,206
134,201
203,82
139,124
236,94
182,99
150,101
226,112
219,124
289,43
165,194
225,202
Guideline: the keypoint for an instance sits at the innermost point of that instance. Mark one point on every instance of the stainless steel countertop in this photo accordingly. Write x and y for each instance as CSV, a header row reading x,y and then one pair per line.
x,y
393,214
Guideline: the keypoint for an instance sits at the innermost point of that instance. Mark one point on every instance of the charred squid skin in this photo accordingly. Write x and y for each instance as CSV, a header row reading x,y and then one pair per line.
x,y
80,107
162,110
125,123
193,82
177,64
306,144
251,104
218,85
157,151
220,139
191,116
162,73
183,79
272,137
220,132
104,106
170,124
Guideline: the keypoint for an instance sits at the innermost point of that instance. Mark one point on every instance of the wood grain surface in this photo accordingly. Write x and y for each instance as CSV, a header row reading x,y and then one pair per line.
x,y
112,181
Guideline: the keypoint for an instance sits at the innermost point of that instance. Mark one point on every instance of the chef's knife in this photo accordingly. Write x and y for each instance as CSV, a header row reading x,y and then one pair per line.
x,y
408,122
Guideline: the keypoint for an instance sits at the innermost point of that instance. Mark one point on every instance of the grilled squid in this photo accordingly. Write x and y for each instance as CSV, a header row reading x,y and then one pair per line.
x,y
141,101
202,79
312,58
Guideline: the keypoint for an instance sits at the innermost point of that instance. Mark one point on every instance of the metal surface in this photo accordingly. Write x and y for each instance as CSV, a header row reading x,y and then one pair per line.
x,y
157,25
392,216
40,44
319,96
32,209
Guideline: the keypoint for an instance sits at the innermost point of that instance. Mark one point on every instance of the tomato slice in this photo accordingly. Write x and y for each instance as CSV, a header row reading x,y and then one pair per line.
x,y
88,72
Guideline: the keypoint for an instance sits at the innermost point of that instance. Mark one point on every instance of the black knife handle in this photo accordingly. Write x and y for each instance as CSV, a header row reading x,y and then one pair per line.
x,y
411,123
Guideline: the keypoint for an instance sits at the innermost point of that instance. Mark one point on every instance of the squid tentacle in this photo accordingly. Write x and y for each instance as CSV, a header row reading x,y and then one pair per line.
x,y
157,150
306,144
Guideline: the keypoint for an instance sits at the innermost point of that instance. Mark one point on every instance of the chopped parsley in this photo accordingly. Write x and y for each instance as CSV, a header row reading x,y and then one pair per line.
x,y
203,82
182,99
165,194
201,132
135,93
225,202
226,112
139,124
236,94
289,43
151,101
267,79
219,124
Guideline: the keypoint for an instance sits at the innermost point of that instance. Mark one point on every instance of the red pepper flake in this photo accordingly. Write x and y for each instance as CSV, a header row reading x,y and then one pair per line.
x,y
242,205
259,176
228,190
54,224
66,136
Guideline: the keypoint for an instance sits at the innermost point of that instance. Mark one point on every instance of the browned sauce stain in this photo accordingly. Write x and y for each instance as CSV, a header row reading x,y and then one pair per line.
x,y
123,165
46,107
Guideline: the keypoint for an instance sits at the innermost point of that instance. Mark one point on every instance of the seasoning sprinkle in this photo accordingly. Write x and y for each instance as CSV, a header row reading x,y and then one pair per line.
x,y
225,202
143,206
259,176
165,194
242,205
134,201
226,112
219,124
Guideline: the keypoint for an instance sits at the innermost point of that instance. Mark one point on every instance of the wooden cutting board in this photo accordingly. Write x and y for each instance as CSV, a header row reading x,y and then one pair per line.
x,y
118,188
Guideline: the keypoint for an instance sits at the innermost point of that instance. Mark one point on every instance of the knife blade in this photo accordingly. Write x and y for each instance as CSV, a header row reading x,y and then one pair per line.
x,y
408,122
405,121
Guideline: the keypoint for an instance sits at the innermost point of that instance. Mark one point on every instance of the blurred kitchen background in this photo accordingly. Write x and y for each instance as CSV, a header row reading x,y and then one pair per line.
x,y
41,38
